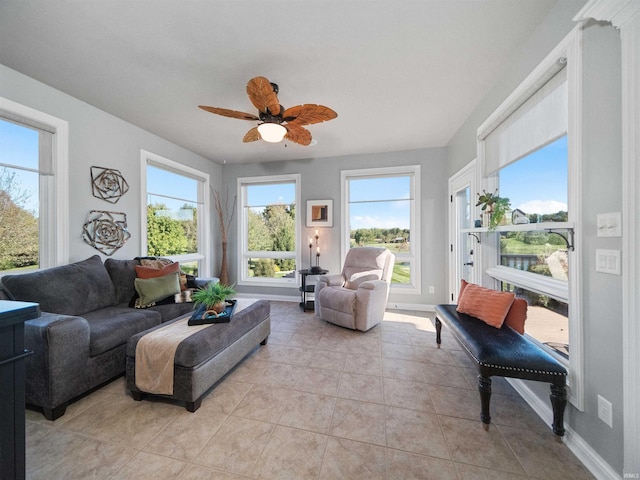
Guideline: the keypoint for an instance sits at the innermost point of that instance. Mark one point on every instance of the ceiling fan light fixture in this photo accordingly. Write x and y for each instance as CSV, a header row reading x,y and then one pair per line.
x,y
272,132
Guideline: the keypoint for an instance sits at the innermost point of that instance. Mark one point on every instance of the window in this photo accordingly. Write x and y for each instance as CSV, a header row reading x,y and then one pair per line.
x,y
269,230
176,218
529,150
33,189
380,209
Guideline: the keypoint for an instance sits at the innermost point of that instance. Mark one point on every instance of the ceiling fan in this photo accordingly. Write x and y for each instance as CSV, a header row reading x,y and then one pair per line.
x,y
276,123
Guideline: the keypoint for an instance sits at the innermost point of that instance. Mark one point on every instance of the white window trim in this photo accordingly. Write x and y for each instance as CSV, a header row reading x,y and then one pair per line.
x,y
204,214
54,197
570,48
243,234
415,217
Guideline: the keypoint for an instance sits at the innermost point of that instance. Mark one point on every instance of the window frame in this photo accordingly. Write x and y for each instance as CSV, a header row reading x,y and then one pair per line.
x,y
244,254
569,48
202,256
54,189
413,172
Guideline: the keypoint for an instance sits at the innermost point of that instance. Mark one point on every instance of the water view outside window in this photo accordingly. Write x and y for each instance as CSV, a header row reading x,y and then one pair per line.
x,y
380,215
537,186
19,197
270,216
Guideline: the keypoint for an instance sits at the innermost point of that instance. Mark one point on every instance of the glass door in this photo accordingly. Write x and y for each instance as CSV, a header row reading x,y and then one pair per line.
x,y
463,242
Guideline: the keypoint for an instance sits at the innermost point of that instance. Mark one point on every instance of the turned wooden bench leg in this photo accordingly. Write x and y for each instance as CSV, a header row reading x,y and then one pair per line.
x,y
438,332
558,404
484,386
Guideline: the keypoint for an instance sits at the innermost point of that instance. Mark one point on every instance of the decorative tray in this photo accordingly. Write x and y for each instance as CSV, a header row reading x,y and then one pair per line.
x,y
200,316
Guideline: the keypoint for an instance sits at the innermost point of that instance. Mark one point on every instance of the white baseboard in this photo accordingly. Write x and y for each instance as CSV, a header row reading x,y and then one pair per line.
x,y
419,307
598,467
275,298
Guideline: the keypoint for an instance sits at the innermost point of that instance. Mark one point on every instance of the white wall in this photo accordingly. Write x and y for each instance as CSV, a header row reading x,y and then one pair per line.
x,y
321,181
601,294
97,138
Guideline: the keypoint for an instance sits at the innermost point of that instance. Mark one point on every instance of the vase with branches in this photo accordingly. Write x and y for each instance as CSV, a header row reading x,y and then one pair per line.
x,y
225,216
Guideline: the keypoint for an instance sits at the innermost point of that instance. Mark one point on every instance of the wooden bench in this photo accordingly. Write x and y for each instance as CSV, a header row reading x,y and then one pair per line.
x,y
505,353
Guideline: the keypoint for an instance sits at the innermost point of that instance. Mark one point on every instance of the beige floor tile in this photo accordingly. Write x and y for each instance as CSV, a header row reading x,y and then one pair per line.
x,y
416,432
408,394
258,411
542,456
318,380
291,453
328,360
308,411
198,472
225,397
367,388
186,435
456,402
147,466
364,364
237,445
471,472
346,459
124,421
409,466
280,374
263,402
68,455
359,421
469,443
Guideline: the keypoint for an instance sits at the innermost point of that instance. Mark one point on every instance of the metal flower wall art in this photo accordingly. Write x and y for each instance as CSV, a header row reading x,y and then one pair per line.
x,y
108,184
106,231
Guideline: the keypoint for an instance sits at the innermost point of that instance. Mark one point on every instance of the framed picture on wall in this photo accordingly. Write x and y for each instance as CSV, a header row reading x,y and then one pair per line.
x,y
319,213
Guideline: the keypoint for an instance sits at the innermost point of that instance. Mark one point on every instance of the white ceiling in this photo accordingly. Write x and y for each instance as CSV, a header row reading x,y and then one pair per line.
x,y
401,74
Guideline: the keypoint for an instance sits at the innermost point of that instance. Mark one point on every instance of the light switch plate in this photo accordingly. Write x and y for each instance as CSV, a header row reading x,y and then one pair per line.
x,y
608,261
609,224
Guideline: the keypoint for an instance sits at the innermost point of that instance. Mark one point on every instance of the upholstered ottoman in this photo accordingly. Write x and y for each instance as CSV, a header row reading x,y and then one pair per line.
x,y
183,362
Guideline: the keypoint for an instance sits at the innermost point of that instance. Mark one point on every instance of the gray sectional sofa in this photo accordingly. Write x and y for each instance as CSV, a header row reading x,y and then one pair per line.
x,y
79,342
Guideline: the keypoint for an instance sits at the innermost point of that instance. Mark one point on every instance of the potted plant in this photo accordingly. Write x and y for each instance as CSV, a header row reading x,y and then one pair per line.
x,y
494,206
213,297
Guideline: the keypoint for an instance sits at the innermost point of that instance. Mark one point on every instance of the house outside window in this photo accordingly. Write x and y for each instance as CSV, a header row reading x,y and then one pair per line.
x,y
269,229
175,220
33,189
380,209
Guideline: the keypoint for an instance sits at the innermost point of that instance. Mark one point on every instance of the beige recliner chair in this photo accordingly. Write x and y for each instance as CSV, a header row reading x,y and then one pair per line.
x,y
357,297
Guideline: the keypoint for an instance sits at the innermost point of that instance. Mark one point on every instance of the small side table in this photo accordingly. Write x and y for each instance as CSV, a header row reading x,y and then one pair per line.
x,y
305,290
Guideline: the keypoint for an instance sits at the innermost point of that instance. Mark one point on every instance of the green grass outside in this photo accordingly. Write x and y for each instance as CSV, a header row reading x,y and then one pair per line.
x,y
511,246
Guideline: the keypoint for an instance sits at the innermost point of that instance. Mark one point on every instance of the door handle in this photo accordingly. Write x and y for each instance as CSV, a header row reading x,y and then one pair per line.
x,y
469,263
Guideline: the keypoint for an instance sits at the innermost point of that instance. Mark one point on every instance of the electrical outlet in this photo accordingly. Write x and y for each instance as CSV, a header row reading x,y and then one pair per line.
x,y
605,411
432,289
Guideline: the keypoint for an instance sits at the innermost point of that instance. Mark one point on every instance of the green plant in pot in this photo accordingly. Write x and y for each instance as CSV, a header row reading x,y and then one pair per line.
x,y
213,297
494,205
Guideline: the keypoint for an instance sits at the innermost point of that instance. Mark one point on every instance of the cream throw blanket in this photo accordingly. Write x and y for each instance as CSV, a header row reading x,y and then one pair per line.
x,y
156,351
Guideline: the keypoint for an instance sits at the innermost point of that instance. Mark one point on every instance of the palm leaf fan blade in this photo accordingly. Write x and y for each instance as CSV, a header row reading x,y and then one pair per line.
x,y
225,112
308,114
298,134
252,135
262,95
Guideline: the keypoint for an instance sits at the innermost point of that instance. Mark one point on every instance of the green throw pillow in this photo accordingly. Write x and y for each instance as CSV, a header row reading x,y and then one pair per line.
x,y
155,289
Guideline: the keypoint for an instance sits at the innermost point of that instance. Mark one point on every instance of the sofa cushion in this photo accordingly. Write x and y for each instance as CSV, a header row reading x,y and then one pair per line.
x,y
155,289
72,289
112,326
122,273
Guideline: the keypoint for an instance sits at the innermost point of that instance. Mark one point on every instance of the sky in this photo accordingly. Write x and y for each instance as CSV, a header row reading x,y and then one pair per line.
x,y
538,183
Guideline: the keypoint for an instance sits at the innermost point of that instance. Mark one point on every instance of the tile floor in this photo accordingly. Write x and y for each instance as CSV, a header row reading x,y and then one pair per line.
x,y
319,402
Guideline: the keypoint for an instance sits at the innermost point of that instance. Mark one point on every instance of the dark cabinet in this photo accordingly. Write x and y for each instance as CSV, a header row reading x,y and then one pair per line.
x,y
12,355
